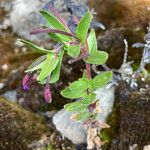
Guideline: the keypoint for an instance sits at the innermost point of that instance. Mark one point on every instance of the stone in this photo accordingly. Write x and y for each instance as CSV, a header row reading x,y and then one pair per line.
x,y
18,127
73,130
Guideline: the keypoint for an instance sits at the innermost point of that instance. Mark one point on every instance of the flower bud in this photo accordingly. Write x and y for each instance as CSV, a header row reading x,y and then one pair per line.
x,y
47,94
26,81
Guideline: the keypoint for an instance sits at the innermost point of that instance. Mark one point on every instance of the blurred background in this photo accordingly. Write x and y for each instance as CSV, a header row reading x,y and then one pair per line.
x,y
123,19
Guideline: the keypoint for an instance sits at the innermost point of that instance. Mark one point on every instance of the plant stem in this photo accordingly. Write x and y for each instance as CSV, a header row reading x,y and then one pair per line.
x,y
88,66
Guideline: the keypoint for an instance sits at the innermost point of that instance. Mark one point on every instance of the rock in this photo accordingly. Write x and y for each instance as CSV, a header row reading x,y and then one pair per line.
x,y
11,95
132,125
25,17
18,127
73,130
147,147
22,16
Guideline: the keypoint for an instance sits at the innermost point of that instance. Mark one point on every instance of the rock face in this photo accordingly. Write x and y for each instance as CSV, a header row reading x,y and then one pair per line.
x,y
25,17
73,130
133,126
18,127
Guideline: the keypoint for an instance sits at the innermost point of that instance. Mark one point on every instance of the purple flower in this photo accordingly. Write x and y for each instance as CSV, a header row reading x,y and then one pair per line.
x,y
26,81
47,94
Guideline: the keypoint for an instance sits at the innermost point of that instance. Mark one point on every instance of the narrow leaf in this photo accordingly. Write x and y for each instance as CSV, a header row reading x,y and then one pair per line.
x,y
92,42
36,48
48,66
53,21
83,26
56,73
37,64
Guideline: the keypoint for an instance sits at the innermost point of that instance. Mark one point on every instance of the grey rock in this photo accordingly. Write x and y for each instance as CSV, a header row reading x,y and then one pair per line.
x,y
73,130
11,95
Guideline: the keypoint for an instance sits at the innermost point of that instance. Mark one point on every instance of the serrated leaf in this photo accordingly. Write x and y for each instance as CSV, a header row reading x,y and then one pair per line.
x,y
97,57
37,64
101,80
88,99
49,65
75,90
92,42
83,26
74,50
36,48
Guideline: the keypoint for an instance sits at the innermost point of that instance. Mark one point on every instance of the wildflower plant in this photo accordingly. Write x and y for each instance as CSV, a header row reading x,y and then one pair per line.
x,y
80,44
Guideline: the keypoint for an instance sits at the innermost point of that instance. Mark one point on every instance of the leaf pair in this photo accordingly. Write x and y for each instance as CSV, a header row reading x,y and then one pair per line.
x,y
78,88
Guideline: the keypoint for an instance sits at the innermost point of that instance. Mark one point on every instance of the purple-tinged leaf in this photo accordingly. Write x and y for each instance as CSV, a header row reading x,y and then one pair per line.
x,y
56,13
82,56
38,31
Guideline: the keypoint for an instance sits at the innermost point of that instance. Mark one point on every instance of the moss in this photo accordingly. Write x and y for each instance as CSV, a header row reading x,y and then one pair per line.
x,y
109,133
18,126
132,118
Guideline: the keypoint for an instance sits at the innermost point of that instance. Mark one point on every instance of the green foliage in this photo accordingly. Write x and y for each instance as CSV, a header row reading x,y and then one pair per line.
x,y
48,66
36,48
53,21
74,50
92,42
76,89
97,57
101,80
83,27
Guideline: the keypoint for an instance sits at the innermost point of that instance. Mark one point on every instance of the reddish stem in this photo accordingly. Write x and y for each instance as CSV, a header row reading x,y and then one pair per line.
x,y
88,66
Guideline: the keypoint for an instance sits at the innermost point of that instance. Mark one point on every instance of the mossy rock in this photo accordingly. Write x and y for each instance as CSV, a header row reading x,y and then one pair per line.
x,y
130,121
18,127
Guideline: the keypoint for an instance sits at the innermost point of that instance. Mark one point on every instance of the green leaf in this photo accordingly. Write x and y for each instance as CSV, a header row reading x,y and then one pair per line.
x,y
92,42
48,66
82,115
75,106
88,99
36,48
83,26
75,90
74,50
53,21
37,64
97,57
101,80
56,72
54,36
